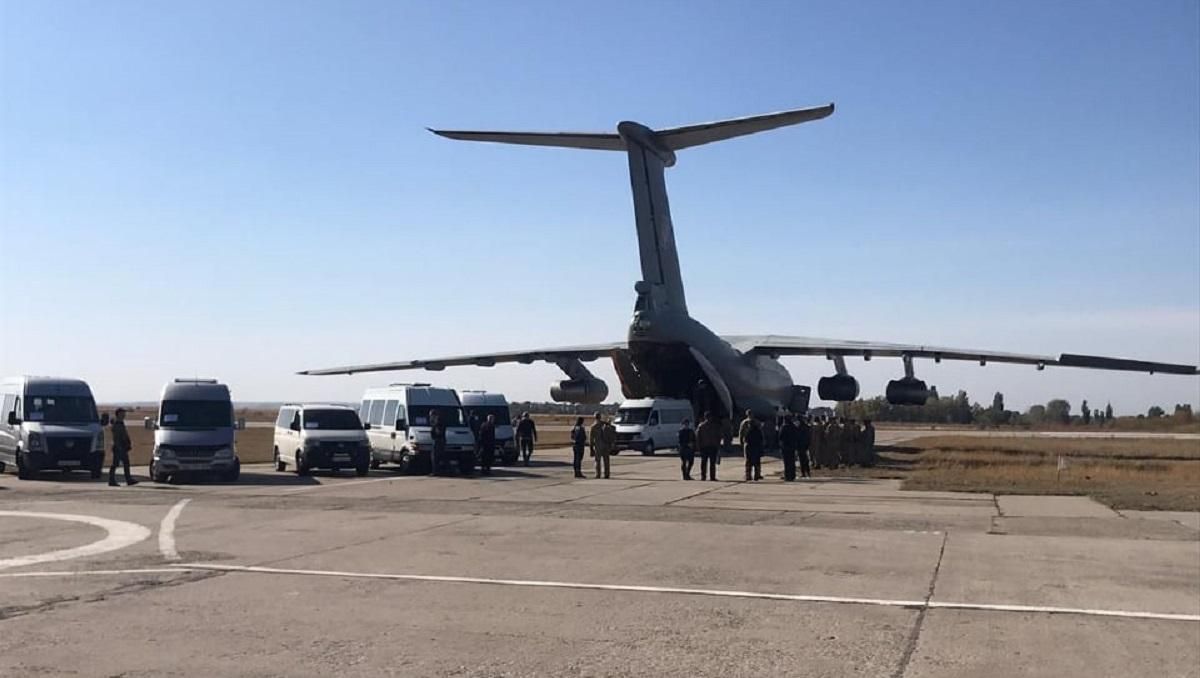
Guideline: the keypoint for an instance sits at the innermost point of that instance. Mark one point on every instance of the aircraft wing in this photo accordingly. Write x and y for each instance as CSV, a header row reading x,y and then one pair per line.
x,y
582,353
776,345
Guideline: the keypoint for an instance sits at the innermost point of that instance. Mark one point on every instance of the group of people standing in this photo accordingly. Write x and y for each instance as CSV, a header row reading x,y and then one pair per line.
x,y
838,441
832,442
601,438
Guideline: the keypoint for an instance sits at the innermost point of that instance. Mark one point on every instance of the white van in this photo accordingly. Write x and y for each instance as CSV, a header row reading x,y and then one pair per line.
x,y
400,433
320,436
480,404
49,423
649,424
193,433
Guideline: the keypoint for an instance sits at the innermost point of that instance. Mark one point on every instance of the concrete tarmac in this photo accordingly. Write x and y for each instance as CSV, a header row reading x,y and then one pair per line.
x,y
531,572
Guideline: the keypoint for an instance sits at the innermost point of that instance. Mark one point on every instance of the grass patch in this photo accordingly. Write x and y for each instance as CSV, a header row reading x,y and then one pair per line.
x,y
1150,474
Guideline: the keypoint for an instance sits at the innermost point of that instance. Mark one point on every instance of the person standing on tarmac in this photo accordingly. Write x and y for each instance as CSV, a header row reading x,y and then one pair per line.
x,y
708,439
868,443
437,431
817,442
751,437
603,436
687,448
802,448
579,438
121,447
486,443
526,436
789,441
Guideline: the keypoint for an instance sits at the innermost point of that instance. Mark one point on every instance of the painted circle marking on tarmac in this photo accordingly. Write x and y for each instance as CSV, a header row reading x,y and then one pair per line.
x,y
121,534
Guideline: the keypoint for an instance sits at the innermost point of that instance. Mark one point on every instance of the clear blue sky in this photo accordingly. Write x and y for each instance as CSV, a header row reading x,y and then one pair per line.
x,y
244,189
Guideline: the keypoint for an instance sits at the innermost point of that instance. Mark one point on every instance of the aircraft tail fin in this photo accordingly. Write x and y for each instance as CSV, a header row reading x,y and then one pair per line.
x,y
592,141
677,138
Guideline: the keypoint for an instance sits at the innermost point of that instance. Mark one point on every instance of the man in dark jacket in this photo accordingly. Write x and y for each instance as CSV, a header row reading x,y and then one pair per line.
x,y
802,448
579,441
687,448
526,436
121,446
753,442
789,441
708,439
487,444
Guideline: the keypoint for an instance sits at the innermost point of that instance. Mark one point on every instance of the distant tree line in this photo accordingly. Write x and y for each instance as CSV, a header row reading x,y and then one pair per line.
x,y
958,409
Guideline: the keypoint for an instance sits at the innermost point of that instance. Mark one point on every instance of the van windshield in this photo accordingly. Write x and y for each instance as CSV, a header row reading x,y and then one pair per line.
x,y
633,415
61,409
195,414
418,415
331,420
500,412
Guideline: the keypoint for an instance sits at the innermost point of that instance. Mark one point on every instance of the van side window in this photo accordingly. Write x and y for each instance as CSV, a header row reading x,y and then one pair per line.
x,y
7,408
376,413
284,418
295,422
364,411
389,413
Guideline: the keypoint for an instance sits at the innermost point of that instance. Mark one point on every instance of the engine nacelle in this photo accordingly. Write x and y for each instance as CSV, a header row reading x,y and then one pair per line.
x,y
907,391
584,391
839,387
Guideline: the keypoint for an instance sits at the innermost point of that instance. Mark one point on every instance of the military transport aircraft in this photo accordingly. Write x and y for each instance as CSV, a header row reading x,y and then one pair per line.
x,y
670,354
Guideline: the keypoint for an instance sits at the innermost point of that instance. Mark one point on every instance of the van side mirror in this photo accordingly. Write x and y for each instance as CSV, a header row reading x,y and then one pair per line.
x,y
295,426
366,426
240,424
104,419
401,425
148,423
13,420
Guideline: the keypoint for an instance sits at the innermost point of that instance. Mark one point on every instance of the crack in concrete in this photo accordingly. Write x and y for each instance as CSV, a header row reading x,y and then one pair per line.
x,y
189,577
914,636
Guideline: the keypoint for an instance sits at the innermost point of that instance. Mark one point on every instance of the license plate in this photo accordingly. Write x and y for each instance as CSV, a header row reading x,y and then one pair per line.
x,y
70,462
341,457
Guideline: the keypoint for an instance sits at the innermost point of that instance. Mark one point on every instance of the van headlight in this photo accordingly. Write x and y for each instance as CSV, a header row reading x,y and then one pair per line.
x,y
224,453
164,452
98,442
35,442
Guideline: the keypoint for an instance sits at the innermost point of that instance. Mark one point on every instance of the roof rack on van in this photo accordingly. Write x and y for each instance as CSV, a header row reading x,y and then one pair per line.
x,y
194,380
407,383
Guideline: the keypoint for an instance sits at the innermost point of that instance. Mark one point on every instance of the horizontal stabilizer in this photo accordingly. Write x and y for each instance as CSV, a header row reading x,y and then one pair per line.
x,y
596,141
677,138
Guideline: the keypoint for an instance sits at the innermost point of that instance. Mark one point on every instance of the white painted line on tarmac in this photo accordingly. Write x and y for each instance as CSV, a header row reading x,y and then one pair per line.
x,y
83,573
166,531
120,535
722,593
1065,610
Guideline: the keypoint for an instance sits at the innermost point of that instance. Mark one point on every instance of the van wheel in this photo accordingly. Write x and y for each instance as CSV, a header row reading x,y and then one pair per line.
x,y
301,466
23,470
375,464
361,470
649,452
233,474
156,476
279,465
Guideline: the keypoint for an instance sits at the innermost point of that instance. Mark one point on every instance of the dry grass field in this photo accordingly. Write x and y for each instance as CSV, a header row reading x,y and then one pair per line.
x,y
1149,474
